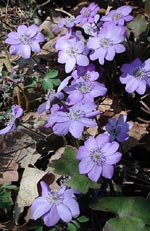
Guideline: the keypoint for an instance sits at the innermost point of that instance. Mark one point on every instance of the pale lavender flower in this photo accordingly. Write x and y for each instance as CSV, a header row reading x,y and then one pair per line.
x,y
87,14
85,73
55,205
98,156
67,22
73,119
53,95
92,29
118,16
107,43
84,91
118,128
25,40
136,76
17,112
50,97
71,53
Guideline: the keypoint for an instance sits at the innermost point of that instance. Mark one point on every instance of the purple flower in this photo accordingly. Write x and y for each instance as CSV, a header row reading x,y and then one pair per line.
x,y
98,157
118,16
68,22
72,119
87,14
107,43
118,128
55,205
136,76
17,112
84,91
71,53
53,95
50,97
85,73
25,40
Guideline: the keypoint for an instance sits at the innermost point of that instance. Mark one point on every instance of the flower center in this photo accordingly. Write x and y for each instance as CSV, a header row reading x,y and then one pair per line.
x,y
83,87
25,39
75,113
104,42
140,73
54,198
97,156
86,12
72,52
117,16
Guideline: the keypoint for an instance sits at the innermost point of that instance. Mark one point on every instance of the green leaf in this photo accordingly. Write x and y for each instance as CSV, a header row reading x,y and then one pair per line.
x,y
81,183
8,185
32,84
71,227
138,25
51,74
50,80
82,219
125,224
137,207
68,164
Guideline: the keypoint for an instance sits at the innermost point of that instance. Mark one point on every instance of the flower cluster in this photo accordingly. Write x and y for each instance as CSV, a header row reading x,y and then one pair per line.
x,y
72,107
55,205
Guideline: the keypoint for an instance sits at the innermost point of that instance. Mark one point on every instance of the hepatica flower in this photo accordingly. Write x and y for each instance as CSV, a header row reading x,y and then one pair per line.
x,y
73,120
50,97
87,14
84,91
55,205
25,40
136,76
17,112
118,16
98,157
71,53
107,43
118,128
